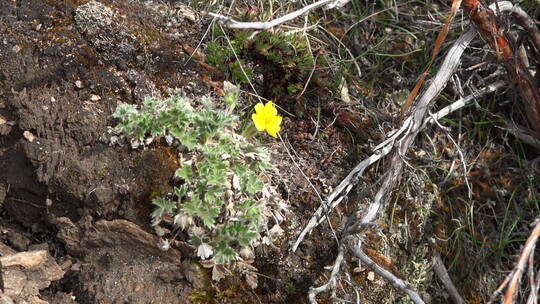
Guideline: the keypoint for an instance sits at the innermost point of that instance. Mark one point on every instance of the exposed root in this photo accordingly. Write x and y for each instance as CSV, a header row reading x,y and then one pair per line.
x,y
443,275
391,278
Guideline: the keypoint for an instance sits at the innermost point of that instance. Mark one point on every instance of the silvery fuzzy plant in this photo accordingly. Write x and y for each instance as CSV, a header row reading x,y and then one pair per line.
x,y
221,200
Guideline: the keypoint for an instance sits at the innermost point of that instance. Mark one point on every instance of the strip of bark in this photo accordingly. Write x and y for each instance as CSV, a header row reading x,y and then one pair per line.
x,y
487,24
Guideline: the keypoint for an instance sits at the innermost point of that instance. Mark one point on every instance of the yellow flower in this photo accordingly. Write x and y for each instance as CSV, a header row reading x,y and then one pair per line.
x,y
266,118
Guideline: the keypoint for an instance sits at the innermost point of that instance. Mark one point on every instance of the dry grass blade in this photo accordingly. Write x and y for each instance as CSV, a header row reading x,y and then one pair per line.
x,y
438,43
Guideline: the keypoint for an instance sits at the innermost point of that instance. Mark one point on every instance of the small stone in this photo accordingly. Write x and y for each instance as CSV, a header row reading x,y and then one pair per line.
x,y
113,140
79,84
371,276
29,136
95,97
93,17
17,48
164,245
187,12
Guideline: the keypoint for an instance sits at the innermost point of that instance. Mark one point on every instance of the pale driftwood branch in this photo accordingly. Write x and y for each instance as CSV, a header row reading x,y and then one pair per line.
x,y
331,284
411,125
231,23
465,101
390,277
443,275
398,142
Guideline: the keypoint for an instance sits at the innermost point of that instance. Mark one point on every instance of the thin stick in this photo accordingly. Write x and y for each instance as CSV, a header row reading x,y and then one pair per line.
x,y
390,277
331,284
511,282
443,275
465,101
231,23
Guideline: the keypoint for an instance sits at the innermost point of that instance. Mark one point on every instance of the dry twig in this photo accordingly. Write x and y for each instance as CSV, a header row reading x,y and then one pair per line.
x,y
331,284
231,23
526,259
395,281
487,24
443,275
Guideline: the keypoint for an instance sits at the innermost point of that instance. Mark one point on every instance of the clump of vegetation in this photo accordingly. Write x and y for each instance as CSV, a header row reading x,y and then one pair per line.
x,y
221,196
284,59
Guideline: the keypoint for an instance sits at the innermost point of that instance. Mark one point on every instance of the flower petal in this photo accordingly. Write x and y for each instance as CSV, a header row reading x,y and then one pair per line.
x,y
259,120
273,126
259,108
271,132
270,109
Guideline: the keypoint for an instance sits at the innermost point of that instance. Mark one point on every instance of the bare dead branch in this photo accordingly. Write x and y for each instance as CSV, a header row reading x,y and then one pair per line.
x,y
465,101
231,23
390,277
512,281
487,24
443,275
413,123
331,284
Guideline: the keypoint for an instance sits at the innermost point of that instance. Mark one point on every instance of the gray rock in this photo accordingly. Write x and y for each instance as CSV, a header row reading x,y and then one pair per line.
x,y
93,17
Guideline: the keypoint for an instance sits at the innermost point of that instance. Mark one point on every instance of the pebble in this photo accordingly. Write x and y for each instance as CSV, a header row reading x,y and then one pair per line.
x,y
29,136
95,97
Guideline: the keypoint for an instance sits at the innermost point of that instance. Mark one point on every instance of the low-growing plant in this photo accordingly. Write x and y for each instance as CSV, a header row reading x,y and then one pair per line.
x,y
218,199
284,59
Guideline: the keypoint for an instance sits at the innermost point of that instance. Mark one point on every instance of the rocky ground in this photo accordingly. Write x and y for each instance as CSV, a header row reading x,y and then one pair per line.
x,y
75,199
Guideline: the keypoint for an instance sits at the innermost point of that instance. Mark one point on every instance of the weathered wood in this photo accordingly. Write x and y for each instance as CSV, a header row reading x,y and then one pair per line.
x,y
487,25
